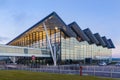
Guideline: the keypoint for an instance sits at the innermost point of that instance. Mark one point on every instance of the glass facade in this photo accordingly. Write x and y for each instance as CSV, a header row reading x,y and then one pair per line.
x,y
19,50
68,48
72,49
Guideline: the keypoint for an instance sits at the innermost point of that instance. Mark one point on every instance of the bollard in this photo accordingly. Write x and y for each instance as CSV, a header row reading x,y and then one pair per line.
x,y
80,70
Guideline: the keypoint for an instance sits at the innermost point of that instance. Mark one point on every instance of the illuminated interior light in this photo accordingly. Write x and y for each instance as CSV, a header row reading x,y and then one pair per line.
x,y
56,28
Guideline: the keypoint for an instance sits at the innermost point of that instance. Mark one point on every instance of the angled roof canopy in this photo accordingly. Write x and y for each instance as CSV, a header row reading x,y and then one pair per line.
x,y
107,43
55,21
71,30
51,21
74,26
111,43
98,37
91,36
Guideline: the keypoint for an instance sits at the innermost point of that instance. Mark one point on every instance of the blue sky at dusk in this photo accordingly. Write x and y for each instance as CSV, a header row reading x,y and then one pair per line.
x,y
101,16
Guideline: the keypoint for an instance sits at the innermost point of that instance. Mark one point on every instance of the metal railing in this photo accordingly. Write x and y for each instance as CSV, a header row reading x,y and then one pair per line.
x,y
103,71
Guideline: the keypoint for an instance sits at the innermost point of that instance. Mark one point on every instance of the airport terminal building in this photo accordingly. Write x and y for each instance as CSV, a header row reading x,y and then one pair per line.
x,y
52,41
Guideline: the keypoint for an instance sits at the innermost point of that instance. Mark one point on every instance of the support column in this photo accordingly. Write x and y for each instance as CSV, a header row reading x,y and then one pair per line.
x,y
48,39
55,56
13,59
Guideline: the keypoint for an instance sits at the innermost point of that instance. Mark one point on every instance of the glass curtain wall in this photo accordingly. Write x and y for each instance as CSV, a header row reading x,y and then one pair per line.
x,y
73,51
68,49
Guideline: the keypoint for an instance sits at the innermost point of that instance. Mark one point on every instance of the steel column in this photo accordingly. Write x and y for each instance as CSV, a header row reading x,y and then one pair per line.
x,y
48,39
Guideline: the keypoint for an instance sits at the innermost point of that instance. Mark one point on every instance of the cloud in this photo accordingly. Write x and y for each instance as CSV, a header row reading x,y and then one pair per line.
x,y
3,38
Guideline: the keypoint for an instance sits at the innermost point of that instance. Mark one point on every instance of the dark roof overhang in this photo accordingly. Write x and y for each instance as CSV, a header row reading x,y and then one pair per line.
x,y
91,36
75,27
107,43
111,43
98,37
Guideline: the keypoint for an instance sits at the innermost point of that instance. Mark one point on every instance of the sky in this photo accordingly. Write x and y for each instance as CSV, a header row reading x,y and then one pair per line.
x,y
101,16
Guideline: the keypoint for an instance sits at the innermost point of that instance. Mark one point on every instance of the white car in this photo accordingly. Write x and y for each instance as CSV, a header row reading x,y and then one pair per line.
x,y
102,64
117,64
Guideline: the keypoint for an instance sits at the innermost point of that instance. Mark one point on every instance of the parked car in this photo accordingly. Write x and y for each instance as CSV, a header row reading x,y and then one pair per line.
x,y
117,64
102,64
